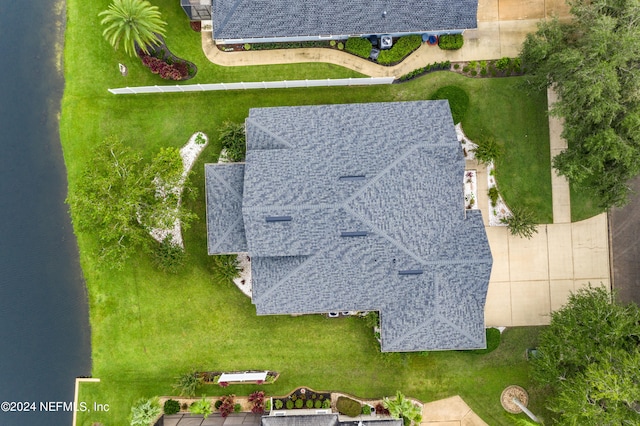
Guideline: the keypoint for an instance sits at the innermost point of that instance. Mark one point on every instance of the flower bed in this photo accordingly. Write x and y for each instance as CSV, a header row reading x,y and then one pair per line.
x,y
213,377
302,398
161,61
470,190
500,210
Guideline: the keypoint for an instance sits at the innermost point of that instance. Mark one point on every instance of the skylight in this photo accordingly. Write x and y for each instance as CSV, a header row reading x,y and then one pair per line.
x,y
352,177
354,234
278,219
411,272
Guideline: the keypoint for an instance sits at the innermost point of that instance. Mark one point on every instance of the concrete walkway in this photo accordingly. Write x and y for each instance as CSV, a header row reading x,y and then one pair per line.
x,y
502,27
559,184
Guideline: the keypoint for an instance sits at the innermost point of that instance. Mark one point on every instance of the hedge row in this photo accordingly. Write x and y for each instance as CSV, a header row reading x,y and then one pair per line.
x,y
358,46
403,48
437,66
450,41
348,407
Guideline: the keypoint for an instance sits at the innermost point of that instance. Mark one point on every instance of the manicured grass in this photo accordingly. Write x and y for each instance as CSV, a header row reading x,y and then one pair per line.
x,y
148,327
582,206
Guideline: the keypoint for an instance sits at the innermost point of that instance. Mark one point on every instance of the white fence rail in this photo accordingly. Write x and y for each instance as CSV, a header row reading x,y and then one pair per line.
x,y
368,81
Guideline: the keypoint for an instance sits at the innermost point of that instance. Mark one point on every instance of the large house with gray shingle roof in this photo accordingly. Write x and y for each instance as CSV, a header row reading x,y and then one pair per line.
x,y
357,207
266,21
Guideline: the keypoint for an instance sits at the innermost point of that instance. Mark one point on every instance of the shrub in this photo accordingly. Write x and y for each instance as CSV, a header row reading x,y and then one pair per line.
x,y
483,64
372,319
223,384
474,73
473,64
278,404
257,401
228,405
317,404
488,151
366,409
450,41
247,46
493,195
232,138
465,68
438,66
171,406
228,267
299,403
145,411
458,101
267,405
340,46
289,404
348,407
403,47
326,403
309,403
217,404
358,46
188,383
332,43
521,223
503,63
237,408
201,406
456,66
381,410
169,257
483,72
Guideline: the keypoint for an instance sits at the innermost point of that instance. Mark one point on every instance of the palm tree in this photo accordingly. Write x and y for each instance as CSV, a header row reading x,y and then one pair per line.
x,y
131,23
404,408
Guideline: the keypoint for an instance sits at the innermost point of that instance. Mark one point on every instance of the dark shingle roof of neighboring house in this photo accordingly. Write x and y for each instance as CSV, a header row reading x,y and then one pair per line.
x,y
354,208
323,420
242,19
310,420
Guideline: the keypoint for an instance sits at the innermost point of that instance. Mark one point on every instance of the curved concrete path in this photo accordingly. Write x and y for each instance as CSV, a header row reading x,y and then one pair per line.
x,y
502,27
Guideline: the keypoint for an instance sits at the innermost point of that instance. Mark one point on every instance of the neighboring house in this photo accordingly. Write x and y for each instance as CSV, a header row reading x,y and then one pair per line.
x,y
266,21
197,10
324,420
357,207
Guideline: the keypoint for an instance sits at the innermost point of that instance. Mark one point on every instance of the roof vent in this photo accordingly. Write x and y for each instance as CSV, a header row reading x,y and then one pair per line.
x,y
384,14
278,219
352,177
354,234
411,272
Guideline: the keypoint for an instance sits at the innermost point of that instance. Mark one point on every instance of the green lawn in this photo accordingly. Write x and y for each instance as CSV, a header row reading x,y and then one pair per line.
x,y
148,327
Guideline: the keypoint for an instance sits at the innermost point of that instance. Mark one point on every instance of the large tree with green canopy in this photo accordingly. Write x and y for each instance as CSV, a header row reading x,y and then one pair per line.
x,y
593,62
589,358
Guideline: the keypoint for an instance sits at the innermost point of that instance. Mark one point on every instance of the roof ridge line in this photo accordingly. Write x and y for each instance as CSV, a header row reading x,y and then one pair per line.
x,y
381,174
267,131
232,10
224,182
294,270
229,229
384,235
291,207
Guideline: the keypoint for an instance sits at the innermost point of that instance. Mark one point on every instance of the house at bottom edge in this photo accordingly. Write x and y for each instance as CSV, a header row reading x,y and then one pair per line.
x,y
357,207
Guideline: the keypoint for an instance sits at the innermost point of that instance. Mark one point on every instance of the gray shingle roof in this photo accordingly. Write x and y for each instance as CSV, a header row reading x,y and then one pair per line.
x,y
225,226
410,250
241,19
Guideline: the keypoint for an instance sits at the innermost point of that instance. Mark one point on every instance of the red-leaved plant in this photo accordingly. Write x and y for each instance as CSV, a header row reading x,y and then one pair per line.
x,y
257,399
226,407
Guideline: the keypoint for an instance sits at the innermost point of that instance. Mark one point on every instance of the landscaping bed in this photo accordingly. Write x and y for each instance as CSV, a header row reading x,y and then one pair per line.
x,y
302,398
161,61
504,67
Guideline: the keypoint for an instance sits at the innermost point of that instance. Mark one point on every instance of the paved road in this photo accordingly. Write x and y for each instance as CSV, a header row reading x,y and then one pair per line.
x,y
625,245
